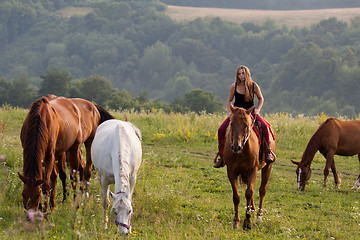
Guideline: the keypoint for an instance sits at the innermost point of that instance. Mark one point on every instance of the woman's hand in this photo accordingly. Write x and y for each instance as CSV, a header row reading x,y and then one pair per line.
x,y
256,111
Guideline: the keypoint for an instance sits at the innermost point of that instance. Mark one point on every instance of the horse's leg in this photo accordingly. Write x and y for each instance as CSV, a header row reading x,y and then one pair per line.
x,y
87,170
53,182
265,176
105,197
62,172
80,168
336,177
236,197
249,194
132,184
49,168
329,161
74,162
357,183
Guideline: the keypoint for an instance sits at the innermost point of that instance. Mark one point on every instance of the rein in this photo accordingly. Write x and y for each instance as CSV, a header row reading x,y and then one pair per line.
x,y
246,138
248,135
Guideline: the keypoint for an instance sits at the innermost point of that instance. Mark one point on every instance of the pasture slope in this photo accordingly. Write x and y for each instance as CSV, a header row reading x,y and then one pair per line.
x,y
179,195
293,18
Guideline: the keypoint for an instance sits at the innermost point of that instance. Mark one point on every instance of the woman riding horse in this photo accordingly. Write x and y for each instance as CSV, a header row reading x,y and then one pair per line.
x,y
244,89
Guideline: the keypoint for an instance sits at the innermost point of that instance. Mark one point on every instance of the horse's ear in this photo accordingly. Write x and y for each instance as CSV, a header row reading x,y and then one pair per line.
x,y
249,111
295,162
232,109
40,182
23,179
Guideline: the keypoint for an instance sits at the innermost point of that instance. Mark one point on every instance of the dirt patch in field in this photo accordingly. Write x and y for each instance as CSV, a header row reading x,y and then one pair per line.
x,y
299,18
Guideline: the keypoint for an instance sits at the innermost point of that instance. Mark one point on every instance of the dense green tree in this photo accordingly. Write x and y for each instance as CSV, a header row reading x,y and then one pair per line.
x,y
55,82
198,101
177,87
96,88
4,91
155,66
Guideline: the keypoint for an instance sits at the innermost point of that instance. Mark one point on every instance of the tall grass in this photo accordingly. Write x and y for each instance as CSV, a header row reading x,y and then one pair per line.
x,y
179,195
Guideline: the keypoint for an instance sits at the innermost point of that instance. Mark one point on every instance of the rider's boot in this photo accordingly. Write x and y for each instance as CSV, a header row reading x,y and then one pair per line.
x,y
219,163
270,156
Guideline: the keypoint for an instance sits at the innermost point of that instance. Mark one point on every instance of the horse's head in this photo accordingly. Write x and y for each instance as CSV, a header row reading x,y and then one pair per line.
x,y
303,173
240,127
122,210
31,192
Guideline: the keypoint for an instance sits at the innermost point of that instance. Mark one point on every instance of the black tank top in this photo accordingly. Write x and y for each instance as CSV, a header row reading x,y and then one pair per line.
x,y
240,100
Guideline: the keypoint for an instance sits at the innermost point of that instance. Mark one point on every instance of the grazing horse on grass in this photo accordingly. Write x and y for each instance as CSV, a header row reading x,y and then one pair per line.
x,y
243,160
116,153
333,137
53,132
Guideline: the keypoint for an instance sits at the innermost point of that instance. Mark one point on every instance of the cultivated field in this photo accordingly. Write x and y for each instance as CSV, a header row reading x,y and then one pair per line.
x,y
298,18
179,195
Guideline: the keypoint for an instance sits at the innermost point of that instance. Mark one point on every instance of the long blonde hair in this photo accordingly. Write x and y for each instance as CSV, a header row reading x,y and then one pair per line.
x,y
249,83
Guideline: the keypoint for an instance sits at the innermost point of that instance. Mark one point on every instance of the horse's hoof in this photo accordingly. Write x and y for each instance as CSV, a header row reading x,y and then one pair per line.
x,y
247,225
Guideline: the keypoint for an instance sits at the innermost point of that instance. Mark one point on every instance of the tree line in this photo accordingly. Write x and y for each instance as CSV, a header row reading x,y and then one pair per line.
x,y
143,52
99,90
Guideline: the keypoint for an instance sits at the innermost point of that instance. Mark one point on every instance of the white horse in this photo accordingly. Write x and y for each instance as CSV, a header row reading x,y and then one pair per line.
x,y
116,153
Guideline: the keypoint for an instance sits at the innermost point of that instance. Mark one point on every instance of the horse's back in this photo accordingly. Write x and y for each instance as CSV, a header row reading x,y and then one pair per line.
x,y
342,136
112,138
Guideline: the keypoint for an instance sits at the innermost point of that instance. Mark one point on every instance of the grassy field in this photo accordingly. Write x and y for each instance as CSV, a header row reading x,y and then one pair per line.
x,y
293,18
179,195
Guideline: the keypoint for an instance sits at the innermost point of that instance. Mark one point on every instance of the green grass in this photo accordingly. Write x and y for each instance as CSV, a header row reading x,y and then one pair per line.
x,y
179,195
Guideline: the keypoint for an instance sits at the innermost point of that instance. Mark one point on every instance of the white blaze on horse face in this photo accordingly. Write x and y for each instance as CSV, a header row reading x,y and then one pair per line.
x,y
299,174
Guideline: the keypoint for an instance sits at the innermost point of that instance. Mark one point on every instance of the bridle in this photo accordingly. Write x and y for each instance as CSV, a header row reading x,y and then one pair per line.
x,y
122,224
247,135
117,223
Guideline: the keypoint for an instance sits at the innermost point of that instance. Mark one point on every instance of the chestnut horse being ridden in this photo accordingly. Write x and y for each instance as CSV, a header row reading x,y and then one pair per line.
x,y
333,137
55,128
241,155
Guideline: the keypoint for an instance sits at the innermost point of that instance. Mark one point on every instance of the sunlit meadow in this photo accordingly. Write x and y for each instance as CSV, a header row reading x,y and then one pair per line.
x,y
179,195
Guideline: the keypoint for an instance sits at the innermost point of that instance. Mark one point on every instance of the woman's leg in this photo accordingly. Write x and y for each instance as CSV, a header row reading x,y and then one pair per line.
x,y
264,128
221,142
269,154
221,135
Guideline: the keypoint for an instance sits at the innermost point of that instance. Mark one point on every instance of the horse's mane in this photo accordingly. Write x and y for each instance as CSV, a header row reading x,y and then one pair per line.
x,y
314,143
35,136
104,114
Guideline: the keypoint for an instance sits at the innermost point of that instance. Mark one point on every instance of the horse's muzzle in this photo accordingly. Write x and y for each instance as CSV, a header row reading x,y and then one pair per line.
x,y
236,148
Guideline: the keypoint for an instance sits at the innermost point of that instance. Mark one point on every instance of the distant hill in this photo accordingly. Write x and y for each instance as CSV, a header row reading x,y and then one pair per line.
x,y
74,11
291,18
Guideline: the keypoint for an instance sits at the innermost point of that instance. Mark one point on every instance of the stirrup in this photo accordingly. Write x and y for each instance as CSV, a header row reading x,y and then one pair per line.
x,y
219,163
272,157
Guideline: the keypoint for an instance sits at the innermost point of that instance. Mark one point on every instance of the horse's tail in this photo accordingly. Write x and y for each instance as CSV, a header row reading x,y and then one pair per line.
x,y
104,114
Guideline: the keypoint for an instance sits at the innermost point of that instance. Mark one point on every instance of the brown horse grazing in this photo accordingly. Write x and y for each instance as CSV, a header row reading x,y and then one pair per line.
x,y
242,158
333,137
54,129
